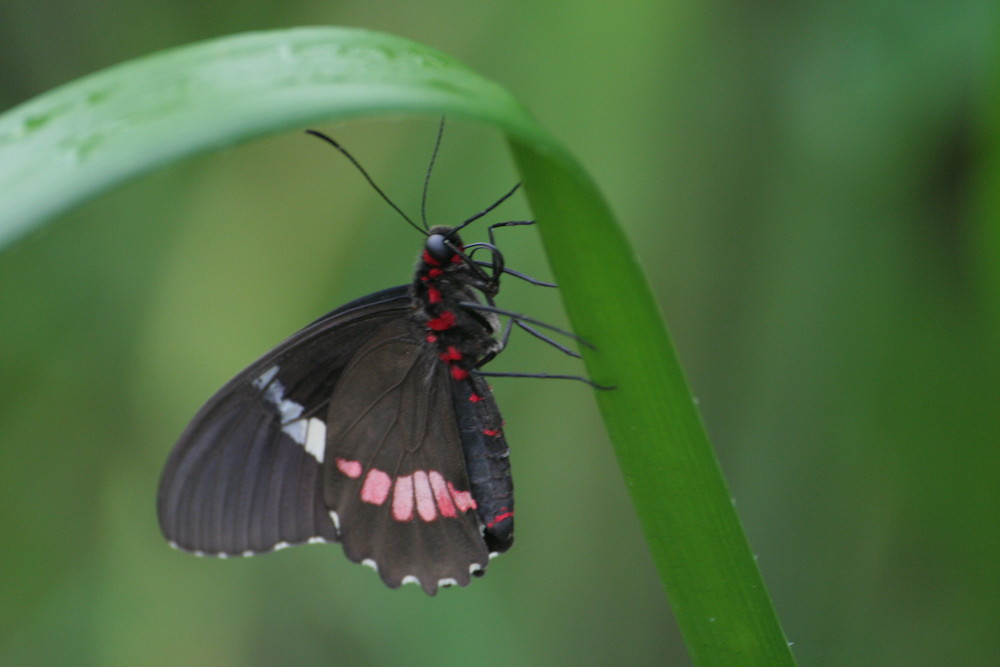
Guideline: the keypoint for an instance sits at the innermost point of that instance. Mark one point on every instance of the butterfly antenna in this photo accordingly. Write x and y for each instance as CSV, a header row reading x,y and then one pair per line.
x,y
487,209
427,177
371,182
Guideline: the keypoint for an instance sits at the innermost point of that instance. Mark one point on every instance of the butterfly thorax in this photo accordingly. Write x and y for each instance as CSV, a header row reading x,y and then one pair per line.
x,y
445,279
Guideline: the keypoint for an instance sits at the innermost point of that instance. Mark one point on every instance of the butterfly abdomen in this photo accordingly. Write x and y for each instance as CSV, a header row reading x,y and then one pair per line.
x,y
463,338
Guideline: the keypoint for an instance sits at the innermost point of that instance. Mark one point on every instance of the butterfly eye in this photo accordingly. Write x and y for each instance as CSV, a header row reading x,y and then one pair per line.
x,y
439,248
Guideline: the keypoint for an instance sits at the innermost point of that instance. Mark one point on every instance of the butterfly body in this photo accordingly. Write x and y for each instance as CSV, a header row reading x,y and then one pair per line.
x,y
368,427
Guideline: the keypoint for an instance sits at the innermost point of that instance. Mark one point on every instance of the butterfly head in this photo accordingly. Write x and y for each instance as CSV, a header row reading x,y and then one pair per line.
x,y
442,246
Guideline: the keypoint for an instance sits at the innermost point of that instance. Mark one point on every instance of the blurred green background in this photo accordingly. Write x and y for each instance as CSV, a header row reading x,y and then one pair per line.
x,y
810,187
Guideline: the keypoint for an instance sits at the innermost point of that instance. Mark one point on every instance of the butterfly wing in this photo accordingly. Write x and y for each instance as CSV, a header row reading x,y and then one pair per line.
x,y
245,476
395,470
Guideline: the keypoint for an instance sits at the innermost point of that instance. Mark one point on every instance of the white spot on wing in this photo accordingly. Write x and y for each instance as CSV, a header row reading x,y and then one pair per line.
x,y
444,583
315,442
336,520
278,546
289,409
265,378
410,579
296,430
310,433
274,393
370,563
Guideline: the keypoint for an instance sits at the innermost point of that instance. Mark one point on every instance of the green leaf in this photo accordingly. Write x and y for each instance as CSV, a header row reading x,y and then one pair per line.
x,y
80,139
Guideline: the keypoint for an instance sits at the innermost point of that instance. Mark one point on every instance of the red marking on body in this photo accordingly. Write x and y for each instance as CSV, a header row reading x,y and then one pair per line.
x,y
442,322
441,495
459,373
350,468
463,499
430,260
431,338
504,515
491,432
376,487
435,273
426,507
402,499
475,398
433,295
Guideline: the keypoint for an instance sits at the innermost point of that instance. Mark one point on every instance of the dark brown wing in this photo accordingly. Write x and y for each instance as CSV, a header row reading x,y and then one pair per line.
x,y
394,468
245,476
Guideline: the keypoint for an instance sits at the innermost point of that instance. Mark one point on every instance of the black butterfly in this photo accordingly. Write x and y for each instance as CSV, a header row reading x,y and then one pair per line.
x,y
372,427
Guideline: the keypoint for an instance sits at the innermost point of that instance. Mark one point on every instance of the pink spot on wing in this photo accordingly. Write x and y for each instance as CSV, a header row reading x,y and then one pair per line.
x,y
463,499
426,507
402,499
428,492
441,494
491,432
376,487
350,468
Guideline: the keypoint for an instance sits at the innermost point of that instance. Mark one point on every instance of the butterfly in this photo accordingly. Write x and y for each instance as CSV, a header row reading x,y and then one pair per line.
x,y
374,427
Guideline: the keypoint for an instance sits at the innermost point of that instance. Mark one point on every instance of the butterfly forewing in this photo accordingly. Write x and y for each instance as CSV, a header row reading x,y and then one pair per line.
x,y
241,478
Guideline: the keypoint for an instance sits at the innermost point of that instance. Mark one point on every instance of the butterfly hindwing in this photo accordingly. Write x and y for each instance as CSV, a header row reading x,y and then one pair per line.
x,y
395,468
245,476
